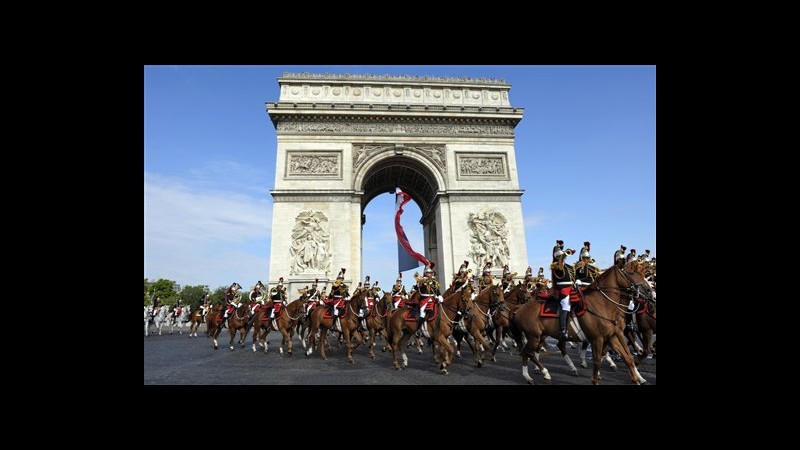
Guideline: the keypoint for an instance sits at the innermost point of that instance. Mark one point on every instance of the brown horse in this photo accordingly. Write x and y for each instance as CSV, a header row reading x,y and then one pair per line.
x,y
212,327
376,321
348,318
478,320
399,330
602,323
195,319
513,299
285,323
239,321
645,328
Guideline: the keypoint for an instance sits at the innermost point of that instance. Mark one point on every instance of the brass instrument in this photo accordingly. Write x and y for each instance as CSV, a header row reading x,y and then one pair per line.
x,y
569,252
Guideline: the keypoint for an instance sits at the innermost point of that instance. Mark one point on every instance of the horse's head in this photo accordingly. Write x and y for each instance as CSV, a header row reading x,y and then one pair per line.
x,y
631,278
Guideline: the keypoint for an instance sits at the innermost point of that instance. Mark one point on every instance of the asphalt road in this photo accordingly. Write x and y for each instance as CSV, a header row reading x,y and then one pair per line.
x,y
178,359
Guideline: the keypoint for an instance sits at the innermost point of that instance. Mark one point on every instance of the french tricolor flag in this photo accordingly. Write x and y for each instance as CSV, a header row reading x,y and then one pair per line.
x,y
407,258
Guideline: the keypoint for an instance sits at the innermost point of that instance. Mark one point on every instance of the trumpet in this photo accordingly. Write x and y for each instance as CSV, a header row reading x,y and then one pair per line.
x,y
592,261
569,252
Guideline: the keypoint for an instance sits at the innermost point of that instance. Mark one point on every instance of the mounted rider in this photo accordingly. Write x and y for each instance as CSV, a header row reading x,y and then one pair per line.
x,y
232,297
585,272
399,293
508,278
631,256
461,277
277,295
486,279
563,276
256,297
528,280
619,256
312,296
428,289
339,294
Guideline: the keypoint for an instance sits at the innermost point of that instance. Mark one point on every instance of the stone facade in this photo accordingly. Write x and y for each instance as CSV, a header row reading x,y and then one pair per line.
x,y
341,136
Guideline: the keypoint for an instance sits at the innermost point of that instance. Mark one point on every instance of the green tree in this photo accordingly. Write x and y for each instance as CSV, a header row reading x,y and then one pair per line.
x,y
163,290
192,295
218,296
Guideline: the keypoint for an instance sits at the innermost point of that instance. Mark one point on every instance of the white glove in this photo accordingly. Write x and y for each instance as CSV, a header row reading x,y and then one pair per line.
x,y
441,299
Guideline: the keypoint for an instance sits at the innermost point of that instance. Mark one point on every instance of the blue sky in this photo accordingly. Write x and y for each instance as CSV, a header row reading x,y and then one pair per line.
x,y
585,150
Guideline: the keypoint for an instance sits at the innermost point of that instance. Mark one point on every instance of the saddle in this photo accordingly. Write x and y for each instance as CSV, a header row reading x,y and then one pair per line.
x,y
552,305
411,314
278,307
401,299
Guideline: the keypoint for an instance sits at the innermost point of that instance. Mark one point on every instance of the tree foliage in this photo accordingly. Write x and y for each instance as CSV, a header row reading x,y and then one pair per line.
x,y
218,296
192,295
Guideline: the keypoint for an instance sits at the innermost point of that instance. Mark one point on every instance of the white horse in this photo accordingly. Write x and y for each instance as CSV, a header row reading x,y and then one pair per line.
x,y
161,318
148,313
180,320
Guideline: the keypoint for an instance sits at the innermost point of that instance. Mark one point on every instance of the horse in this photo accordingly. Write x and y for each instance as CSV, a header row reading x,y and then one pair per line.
x,y
213,328
148,315
179,319
399,330
645,326
160,318
196,318
239,321
285,323
501,317
376,320
478,321
348,318
602,323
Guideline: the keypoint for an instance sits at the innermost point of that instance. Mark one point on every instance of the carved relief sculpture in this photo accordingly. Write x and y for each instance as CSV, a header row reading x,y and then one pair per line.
x,y
304,165
488,237
310,249
481,166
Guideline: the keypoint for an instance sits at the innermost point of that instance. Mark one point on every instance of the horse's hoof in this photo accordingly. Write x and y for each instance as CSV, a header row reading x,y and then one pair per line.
x,y
373,356
233,349
494,359
537,372
458,354
584,366
479,364
531,382
444,371
574,373
613,368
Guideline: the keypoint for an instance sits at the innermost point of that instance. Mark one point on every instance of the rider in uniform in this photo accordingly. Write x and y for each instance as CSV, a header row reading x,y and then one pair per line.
x,y
486,279
508,278
231,297
462,277
276,295
399,291
619,256
428,288
562,275
338,293
585,272
256,297
312,296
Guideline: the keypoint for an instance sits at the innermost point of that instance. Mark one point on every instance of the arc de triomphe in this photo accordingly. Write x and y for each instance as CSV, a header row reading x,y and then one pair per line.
x,y
344,139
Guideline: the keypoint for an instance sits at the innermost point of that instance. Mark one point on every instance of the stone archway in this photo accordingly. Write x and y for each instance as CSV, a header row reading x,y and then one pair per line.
x,y
344,139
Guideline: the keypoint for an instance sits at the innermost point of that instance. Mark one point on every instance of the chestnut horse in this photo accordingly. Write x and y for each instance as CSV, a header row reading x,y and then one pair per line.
x,y
286,322
196,318
399,330
478,320
513,299
646,327
606,301
348,318
239,321
212,327
376,320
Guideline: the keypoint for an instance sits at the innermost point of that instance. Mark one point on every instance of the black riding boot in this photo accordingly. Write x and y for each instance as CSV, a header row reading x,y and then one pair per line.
x,y
420,321
562,321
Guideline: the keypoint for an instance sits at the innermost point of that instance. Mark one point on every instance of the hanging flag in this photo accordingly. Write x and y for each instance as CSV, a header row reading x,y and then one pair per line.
x,y
407,258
